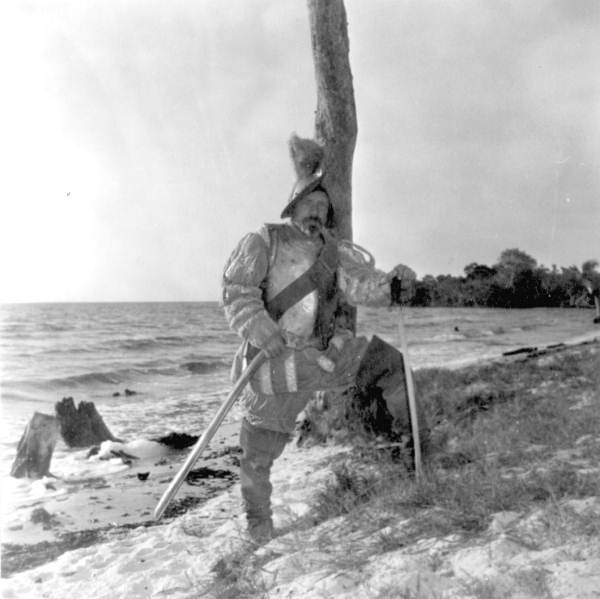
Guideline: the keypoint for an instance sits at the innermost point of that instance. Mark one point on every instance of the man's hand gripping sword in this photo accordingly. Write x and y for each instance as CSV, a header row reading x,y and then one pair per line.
x,y
204,440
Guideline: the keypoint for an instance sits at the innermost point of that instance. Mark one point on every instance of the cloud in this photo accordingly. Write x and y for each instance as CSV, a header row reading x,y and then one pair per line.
x,y
465,111
169,122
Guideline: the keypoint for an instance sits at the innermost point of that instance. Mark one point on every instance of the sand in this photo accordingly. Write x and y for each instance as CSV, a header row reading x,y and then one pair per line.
x,y
176,557
87,509
199,553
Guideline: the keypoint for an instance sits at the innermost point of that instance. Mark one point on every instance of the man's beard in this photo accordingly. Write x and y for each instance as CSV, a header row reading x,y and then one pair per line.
x,y
312,225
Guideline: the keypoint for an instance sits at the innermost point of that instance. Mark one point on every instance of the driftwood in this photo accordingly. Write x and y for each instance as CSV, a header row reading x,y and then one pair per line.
x,y
81,426
36,446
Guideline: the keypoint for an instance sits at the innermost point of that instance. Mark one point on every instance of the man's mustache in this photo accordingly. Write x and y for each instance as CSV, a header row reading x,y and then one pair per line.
x,y
313,220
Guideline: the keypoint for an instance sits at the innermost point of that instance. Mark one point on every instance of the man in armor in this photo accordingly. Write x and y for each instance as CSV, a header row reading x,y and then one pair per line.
x,y
284,290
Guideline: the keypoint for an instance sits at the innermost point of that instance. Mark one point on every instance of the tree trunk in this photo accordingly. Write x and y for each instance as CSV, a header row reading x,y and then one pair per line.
x,y
35,448
335,120
83,426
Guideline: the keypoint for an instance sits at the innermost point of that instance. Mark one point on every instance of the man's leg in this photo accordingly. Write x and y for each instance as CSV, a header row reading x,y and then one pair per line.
x,y
261,447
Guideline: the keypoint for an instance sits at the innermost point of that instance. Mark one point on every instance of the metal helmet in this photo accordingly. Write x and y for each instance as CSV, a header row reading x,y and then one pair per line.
x,y
307,157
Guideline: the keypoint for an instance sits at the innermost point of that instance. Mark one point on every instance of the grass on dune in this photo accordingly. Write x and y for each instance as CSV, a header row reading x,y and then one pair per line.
x,y
497,433
495,430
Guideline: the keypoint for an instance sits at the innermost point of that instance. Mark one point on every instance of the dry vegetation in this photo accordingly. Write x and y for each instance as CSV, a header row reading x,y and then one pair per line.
x,y
510,435
504,435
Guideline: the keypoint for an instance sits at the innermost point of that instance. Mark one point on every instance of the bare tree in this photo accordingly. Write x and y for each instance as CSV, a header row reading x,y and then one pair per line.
x,y
335,121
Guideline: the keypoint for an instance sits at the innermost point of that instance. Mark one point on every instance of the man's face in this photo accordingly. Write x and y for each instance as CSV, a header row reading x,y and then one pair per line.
x,y
310,213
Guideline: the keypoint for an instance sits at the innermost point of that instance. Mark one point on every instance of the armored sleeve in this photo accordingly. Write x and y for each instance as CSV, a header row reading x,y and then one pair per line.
x,y
242,298
359,281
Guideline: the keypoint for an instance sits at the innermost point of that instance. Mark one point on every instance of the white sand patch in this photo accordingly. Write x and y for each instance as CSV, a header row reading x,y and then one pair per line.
x,y
181,559
175,559
93,493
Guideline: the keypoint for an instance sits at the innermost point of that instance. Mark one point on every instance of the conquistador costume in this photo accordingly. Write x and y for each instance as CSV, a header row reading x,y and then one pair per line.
x,y
279,279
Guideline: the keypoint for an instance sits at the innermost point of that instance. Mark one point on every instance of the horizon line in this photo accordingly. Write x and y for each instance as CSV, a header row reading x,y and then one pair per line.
x,y
31,302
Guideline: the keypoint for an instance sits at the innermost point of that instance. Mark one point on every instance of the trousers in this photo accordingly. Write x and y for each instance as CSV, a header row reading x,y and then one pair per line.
x,y
374,367
260,448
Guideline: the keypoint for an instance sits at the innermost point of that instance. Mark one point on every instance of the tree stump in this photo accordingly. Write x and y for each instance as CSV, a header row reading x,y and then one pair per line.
x,y
81,426
35,447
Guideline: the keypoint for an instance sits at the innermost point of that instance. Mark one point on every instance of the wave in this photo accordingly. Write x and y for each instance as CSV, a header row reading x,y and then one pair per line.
x,y
8,393
25,330
118,376
141,344
92,378
75,350
472,333
55,328
204,367
173,339
146,343
128,374
446,337
88,379
151,343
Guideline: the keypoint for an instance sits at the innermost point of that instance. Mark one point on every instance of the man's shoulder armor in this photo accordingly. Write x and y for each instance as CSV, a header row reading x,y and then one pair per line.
x,y
268,230
275,226
271,233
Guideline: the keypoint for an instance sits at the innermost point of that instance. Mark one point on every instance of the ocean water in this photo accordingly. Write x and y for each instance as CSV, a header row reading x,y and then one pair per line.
x,y
176,357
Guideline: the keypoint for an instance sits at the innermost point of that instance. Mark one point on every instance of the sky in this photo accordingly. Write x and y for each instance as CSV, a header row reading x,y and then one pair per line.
x,y
142,139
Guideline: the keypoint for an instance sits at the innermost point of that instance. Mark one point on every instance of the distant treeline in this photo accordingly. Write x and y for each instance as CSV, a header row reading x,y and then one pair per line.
x,y
516,281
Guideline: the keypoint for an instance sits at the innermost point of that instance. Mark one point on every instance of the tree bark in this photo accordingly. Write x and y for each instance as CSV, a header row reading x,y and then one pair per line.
x,y
36,446
335,119
81,426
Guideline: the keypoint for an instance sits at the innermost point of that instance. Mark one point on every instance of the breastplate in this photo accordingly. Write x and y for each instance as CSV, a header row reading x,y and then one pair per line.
x,y
294,255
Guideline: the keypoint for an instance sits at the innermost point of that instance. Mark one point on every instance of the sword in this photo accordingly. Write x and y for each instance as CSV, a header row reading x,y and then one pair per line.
x,y
209,433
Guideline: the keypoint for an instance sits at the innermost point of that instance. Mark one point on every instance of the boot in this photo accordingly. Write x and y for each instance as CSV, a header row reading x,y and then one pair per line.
x,y
261,447
260,531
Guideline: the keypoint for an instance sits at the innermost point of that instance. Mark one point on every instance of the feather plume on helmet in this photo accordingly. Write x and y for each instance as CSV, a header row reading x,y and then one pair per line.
x,y
307,158
306,154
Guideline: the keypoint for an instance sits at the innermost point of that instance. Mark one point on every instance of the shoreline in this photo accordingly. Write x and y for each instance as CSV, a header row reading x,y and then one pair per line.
x,y
100,509
89,510
520,352
518,518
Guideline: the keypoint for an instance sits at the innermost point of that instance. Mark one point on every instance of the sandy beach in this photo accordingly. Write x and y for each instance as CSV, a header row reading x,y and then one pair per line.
x,y
111,505
177,556
101,541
